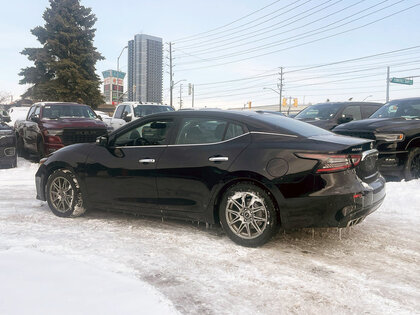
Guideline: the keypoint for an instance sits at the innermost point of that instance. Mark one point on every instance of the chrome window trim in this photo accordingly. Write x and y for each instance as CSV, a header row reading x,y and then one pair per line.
x,y
274,134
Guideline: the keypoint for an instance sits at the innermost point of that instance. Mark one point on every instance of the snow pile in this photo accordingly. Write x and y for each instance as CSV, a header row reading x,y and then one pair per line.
x,y
373,269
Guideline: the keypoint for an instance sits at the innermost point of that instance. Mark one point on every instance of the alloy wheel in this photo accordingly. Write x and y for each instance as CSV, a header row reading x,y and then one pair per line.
x,y
61,194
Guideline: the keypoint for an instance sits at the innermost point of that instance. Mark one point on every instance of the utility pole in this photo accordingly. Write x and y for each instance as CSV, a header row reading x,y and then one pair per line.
x,y
171,78
118,74
387,84
280,86
180,96
191,92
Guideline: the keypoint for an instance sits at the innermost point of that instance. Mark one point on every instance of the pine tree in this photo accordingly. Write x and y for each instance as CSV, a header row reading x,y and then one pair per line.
x,y
64,67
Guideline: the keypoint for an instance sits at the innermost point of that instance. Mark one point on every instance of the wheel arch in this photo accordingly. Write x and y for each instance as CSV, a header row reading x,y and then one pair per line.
x,y
413,143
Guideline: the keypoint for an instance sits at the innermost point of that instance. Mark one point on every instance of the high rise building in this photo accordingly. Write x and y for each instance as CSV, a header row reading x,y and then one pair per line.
x,y
145,69
113,86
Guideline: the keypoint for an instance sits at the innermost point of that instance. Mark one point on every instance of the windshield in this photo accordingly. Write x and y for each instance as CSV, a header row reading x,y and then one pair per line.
x,y
396,109
68,111
292,126
319,112
144,110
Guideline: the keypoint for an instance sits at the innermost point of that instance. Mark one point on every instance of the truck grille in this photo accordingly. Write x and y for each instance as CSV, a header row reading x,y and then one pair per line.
x,y
71,136
357,134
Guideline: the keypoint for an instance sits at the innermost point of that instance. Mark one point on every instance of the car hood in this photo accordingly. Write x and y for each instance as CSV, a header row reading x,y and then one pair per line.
x,y
61,123
380,124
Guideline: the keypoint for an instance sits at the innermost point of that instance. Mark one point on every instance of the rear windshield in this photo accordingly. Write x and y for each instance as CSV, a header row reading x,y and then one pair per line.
x,y
144,110
396,109
67,111
319,112
291,126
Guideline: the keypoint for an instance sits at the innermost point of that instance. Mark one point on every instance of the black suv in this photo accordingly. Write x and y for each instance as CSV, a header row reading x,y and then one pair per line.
x,y
331,114
396,129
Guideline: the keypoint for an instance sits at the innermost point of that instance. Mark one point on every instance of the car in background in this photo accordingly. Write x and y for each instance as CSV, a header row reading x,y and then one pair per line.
x,y
8,157
250,171
395,127
129,111
50,126
331,114
4,116
105,118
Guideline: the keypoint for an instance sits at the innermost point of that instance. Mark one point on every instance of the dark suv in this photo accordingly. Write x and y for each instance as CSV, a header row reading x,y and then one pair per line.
x,y
396,129
50,126
331,114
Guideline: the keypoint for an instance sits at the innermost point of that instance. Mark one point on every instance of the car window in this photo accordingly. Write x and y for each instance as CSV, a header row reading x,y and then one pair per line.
x,y
127,110
201,130
119,111
319,112
368,110
233,130
353,111
395,109
67,111
37,111
31,111
144,110
155,132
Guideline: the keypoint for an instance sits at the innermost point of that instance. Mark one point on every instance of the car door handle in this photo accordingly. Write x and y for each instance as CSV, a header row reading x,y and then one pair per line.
x,y
218,159
147,161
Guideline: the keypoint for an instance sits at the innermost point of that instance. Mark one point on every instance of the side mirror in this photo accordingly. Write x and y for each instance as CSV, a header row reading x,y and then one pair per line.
x,y
345,119
102,141
35,118
128,117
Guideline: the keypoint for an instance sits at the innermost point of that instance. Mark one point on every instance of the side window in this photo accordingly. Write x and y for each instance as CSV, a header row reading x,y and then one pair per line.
x,y
353,111
37,111
119,110
30,113
154,132
233,130
368,110
201,130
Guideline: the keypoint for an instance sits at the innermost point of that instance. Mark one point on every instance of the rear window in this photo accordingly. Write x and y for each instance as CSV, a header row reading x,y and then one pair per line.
x,y
291,126
67,111
144,110
319,111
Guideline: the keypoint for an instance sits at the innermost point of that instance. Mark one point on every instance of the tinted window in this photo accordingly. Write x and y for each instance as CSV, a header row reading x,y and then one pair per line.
x,y
67,111
353,111
31,111
154,132
119,111
394,109
319,111
201,130
233,131
368,110
144,110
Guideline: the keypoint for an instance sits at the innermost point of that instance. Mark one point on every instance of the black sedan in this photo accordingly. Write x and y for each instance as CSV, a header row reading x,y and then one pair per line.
x,y
8,156
250,171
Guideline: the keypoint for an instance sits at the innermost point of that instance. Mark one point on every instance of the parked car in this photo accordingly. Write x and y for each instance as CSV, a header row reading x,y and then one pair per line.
x,y
329,115
249,171
395,127
8,156
128,111
50,126
105,118
4,116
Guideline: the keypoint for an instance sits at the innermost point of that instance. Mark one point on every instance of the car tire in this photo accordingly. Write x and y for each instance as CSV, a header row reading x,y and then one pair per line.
x,y
248,215
64,195
412,165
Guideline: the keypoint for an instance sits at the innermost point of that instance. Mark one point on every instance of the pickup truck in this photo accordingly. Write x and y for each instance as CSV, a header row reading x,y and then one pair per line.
x,y
395,127
128,111
50,126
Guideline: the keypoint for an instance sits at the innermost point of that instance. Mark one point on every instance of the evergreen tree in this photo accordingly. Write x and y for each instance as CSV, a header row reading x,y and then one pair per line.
x,y
64,67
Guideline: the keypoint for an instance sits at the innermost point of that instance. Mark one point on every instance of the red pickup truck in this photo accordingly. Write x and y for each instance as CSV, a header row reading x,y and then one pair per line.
x,y
50,126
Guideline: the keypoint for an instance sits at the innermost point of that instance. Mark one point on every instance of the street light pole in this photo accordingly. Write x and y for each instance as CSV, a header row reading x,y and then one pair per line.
x,y
118,73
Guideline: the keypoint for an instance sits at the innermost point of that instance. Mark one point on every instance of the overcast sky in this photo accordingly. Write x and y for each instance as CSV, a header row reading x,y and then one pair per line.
x,y
277,29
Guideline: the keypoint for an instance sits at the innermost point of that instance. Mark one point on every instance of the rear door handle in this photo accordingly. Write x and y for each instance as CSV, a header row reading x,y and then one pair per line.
x,y
147,161
218,159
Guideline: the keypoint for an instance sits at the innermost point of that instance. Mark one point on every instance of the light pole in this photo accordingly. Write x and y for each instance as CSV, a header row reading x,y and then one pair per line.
x,y
118,72
278,92
172,88
367,97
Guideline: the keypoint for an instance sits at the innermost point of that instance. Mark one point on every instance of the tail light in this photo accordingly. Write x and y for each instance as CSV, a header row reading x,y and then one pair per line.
x,y
333,162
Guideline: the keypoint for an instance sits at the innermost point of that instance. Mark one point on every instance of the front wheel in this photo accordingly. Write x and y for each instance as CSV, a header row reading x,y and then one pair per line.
x,y
248,215
412,166
64,195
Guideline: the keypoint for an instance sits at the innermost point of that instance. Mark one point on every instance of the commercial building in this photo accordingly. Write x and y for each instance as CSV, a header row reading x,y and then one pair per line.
x,y
145,69
113,86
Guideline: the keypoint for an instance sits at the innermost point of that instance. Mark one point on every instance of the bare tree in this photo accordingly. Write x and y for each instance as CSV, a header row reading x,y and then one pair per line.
x,y
4,97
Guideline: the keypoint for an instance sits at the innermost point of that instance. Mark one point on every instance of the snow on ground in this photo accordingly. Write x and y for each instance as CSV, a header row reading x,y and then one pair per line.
x,y
373,269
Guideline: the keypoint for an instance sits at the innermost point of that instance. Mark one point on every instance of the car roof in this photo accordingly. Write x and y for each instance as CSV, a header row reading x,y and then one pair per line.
x,y
58,103
350,103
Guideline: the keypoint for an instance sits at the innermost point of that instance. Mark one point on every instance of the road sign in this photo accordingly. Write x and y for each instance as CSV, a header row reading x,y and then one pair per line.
x,y
402,81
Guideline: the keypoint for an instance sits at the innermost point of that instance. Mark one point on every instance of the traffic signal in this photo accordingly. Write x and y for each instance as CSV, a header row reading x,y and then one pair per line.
x,y
295,102
249,104
284,102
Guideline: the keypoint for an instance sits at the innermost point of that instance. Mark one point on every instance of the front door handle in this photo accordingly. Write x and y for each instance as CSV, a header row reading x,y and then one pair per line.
x,y
147,161
218,159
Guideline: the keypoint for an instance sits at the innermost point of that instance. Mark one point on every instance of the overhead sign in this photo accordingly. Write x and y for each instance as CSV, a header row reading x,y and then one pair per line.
x,y
405,81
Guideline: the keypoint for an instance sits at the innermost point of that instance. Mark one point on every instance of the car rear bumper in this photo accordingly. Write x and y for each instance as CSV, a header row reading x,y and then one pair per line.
x,y
339,206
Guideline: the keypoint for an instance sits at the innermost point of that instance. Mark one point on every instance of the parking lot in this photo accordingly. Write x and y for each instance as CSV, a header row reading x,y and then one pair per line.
x,y
374,268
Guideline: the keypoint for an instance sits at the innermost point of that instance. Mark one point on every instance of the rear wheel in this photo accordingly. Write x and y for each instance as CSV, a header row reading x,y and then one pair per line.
x,y
64,195
412,166
248,215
